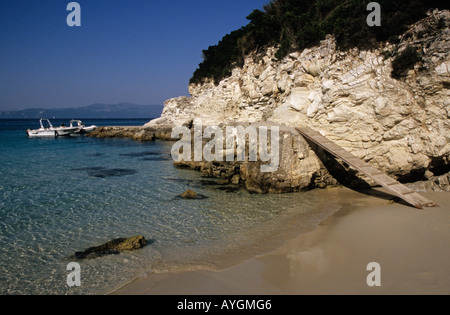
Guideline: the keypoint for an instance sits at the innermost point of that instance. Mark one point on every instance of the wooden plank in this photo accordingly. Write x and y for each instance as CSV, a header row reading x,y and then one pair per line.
x,y
393,186
389,181
401,189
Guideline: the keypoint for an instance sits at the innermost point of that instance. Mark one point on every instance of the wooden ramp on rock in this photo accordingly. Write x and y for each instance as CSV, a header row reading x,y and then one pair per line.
x,y
393,186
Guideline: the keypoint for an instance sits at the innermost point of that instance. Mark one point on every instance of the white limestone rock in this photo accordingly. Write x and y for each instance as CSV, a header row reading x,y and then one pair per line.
x,y
396,125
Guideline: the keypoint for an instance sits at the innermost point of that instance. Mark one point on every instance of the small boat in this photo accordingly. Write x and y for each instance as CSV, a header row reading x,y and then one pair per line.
x,y
50,131
82,127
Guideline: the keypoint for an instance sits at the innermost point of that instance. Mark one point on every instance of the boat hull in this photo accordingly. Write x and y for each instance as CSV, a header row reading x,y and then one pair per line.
x,y
51,132
48,131
83,129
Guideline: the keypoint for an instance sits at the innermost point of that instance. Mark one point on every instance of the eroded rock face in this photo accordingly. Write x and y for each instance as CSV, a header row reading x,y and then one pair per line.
x,y
296,166
398,126
435,183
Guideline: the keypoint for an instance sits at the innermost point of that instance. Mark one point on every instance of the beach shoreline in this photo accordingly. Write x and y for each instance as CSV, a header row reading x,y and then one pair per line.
x,y
411,246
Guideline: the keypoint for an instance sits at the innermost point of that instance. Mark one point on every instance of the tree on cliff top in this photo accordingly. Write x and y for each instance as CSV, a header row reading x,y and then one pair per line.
x,y
293,25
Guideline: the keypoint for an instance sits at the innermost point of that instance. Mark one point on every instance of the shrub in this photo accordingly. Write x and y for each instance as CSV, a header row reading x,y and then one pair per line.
x,y
297,24
405,62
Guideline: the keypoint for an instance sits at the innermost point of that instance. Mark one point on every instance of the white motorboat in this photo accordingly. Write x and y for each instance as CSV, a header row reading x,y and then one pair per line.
x,y
83,129
50,131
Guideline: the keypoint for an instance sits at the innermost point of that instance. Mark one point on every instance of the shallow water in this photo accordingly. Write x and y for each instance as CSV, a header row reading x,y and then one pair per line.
x,y
59,196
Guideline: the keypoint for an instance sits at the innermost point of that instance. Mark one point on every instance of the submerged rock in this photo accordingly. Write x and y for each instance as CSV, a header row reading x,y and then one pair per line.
x,y
101,172
140,154
113,247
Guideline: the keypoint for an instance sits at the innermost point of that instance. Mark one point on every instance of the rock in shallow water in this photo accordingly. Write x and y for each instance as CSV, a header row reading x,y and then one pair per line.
x,y
113,247
189,194
133,132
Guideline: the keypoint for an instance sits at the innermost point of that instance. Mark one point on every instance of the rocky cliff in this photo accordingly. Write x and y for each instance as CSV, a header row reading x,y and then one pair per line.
x,y
399,125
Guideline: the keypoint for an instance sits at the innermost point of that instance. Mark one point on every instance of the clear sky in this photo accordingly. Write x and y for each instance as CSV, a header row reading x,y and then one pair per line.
x,y
137,51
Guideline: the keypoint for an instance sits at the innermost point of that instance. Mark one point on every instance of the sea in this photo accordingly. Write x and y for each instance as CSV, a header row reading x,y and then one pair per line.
x,y
63,195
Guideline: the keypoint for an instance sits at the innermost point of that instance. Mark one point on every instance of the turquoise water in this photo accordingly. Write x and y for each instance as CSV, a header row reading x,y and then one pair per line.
x,y
59,196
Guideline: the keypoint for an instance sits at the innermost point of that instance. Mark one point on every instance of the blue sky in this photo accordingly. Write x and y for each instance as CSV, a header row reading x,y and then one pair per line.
x,y
138,51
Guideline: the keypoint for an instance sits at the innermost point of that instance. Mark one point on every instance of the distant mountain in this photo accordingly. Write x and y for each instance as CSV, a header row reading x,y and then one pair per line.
x,y
94,111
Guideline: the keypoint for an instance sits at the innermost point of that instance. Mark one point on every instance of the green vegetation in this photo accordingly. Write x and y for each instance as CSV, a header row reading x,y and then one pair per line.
x,y
404,62
293,25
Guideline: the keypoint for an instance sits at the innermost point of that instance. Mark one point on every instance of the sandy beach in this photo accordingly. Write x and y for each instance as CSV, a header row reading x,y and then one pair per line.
x,y
411,246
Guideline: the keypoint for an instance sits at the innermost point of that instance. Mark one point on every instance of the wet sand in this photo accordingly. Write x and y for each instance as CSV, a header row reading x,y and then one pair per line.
x,y
411,246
